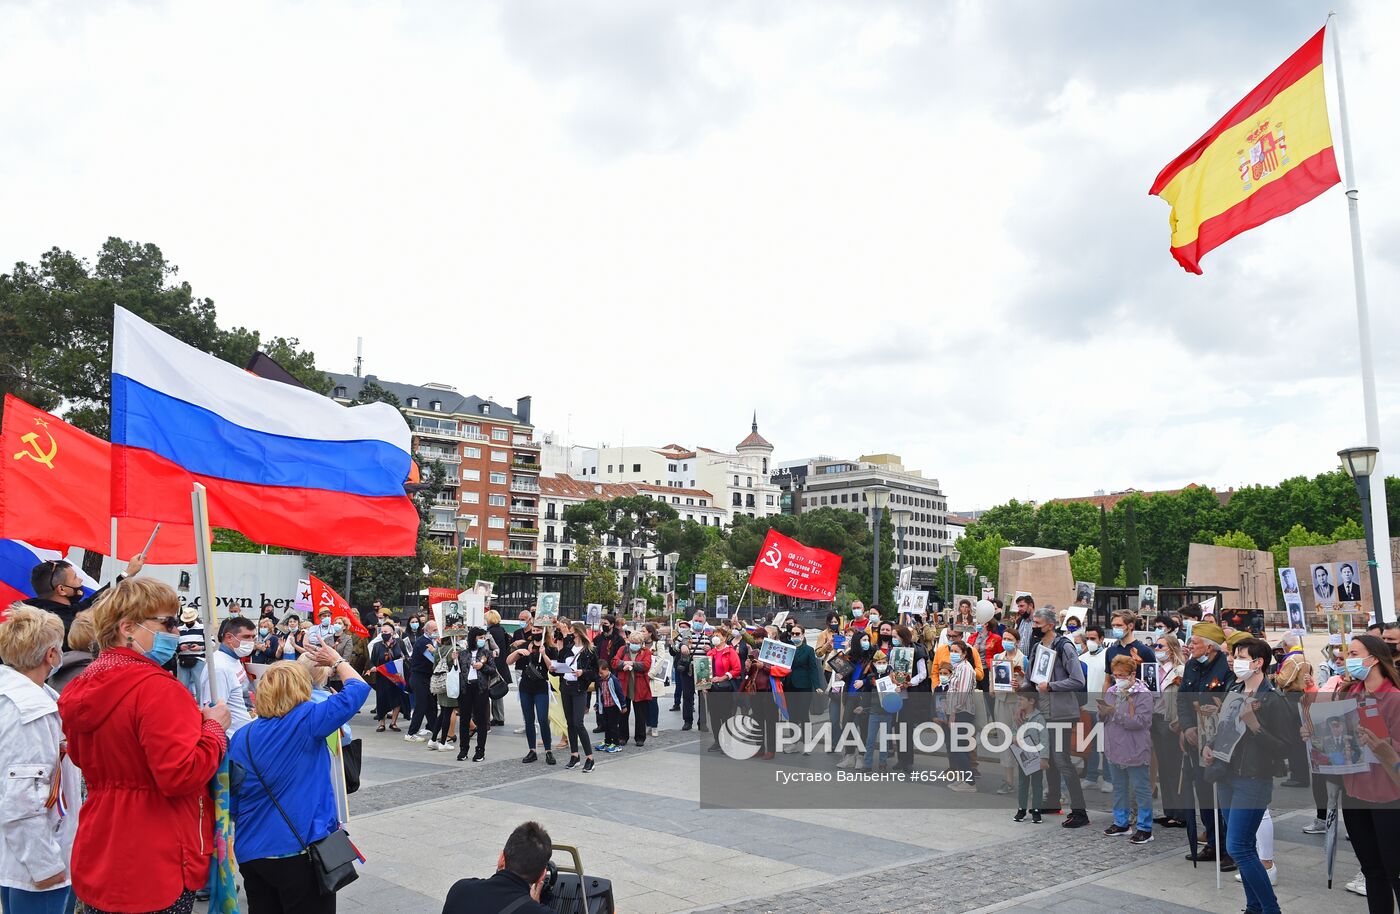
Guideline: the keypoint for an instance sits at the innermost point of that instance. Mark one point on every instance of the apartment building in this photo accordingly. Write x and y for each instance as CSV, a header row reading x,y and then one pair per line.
x,y
738,478
490,456
557,493
917,507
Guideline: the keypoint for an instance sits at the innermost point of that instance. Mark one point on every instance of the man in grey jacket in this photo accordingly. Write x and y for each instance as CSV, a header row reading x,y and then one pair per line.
x,y
1061,695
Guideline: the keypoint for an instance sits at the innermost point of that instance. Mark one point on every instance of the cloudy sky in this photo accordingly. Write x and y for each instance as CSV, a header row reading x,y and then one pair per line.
x,y
911,227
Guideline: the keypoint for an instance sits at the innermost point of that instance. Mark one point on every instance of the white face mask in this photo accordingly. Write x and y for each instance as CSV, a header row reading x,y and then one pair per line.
x,y
244,648
715,641
881,667
1242,668
53,668
1124,682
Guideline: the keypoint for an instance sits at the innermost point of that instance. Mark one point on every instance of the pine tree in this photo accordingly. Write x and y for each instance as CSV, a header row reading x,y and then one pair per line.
x,y
1132,550
1108,552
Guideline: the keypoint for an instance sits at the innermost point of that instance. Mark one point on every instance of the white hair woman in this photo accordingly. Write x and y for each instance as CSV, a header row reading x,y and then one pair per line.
x,y
37,834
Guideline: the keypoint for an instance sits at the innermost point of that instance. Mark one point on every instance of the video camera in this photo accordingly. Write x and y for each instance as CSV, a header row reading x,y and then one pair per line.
x,y
569,891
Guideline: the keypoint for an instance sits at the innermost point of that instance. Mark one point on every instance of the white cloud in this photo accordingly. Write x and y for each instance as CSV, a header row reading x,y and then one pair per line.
x,y
887,226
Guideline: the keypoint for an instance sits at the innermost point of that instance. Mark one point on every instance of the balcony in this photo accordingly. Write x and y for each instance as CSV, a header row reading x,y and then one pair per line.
x,y
521,529
522,551
532,510
445,501
443,524
430,455
523,444
524,485
421,427
528,466
451,480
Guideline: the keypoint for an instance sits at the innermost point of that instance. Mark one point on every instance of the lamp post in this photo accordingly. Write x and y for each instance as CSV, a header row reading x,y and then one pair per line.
x,y
878,497
971,572
900,515
1360,463
464,526
948,571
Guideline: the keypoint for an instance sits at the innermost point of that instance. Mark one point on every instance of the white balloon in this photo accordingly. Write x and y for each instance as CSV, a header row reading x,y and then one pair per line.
x,y
985,609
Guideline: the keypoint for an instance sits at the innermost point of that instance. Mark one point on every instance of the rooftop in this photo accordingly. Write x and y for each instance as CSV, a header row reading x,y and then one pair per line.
x,y
569,487
1107,502
454,402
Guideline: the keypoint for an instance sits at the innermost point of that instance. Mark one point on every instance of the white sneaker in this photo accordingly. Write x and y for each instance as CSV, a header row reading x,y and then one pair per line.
x,y
434,745
654,732
414,738
962,787
1357,885
847,762
1272,871
1105,787
1316,827
519,730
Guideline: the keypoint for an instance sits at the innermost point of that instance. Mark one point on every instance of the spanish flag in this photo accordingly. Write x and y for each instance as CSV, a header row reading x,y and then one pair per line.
x,y
1268,156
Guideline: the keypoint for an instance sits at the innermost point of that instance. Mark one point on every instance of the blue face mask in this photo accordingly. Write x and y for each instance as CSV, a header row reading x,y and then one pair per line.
x,y
413,625
895,642
335,629
1117,633
1356,668
163,647
633,648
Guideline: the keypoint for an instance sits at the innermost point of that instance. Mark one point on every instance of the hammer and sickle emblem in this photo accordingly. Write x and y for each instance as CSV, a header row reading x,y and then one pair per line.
x,y
772,557
36,452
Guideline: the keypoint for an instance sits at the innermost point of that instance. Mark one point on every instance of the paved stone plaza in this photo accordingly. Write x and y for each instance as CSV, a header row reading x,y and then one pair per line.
x,y
424,820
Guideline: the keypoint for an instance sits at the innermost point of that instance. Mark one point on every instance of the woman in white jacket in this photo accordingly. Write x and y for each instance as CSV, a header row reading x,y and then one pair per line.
x,y
40,790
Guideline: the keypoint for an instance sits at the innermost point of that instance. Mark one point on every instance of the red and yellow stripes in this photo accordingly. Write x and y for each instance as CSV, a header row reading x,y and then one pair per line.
x,y
1269,155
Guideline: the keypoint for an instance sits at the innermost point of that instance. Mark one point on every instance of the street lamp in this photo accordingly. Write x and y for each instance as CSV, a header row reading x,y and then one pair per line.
x,y
971,571
948,570
900,515
464,526
879,495
1360,463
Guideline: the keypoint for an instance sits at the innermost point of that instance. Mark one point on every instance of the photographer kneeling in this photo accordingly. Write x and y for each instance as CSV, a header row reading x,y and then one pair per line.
x,y
515,888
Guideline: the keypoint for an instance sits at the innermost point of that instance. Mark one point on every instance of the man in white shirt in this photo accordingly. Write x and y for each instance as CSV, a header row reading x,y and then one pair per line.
x,y
236,637
1095,674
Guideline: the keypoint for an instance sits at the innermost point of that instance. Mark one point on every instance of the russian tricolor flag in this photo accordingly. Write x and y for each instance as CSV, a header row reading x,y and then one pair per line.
x,y
17,561
393,671
283,465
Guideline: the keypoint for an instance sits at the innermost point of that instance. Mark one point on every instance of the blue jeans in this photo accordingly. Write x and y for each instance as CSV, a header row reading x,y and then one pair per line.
x,y
535,707
1092,760
961,761
1246,799
50,901
1137,779
876,726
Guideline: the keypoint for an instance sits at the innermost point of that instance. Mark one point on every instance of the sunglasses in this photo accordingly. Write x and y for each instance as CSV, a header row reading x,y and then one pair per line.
x,y
169,623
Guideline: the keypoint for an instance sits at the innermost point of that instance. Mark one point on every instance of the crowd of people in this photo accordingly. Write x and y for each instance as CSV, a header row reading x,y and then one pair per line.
x,y
106,725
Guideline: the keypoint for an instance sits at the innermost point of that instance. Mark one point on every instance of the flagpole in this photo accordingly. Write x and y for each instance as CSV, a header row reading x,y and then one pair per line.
x,y
200,511
1380,522
116,562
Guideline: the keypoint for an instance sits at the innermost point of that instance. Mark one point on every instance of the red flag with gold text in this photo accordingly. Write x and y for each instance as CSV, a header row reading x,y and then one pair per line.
x,y
786,566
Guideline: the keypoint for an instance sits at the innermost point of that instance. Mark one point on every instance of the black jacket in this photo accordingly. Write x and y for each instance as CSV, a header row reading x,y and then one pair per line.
x,y
66,611
1260,754
499,635
491,896
1213,678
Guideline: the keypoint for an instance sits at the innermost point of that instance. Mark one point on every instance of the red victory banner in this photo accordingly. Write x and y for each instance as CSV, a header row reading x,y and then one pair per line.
x,y
786,566
323,596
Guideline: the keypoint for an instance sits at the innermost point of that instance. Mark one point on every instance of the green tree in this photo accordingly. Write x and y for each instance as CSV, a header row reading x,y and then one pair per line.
x,y
1132,551
1349,529
372,392
1108,551
1015,521
983,552
1234,539
240,345
1086,563
600,580
1297,535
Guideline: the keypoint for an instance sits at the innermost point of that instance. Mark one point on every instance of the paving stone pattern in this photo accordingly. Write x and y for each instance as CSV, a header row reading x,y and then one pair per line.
x,y
1048,855
472,777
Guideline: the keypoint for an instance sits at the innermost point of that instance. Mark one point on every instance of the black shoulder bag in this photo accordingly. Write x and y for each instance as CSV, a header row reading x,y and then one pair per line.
x,y
332,858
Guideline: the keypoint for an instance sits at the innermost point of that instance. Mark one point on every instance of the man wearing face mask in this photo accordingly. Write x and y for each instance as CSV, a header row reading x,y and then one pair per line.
x,y
189,656
236,637
58,588
858,620
420,674
1059,699
1208,675
681,656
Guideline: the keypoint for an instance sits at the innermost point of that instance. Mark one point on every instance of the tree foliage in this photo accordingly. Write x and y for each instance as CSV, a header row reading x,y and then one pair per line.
x,y
56,327
1234,539
600,580
1086,564
1132,549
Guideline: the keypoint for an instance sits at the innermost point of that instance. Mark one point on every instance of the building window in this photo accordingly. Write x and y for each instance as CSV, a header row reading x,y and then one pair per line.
x,y
498,456
748,482
748,502
339,393
435,406
471,453
471,475
412,402
498,479
670,468
692,483
471,498
690,501
738,499
736,480
496,501
471,429
496,523
500,434
610,470
564,557
549,556
636,468
702,502
769,500
843,498
675,500
496,545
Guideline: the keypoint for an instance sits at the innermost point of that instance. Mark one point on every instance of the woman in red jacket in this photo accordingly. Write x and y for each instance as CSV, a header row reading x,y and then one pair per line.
x,y
725,678
632,666
147,752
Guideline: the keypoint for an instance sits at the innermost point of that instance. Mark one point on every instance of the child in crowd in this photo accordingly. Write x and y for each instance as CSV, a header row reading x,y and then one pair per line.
x,y
612,708
1030,734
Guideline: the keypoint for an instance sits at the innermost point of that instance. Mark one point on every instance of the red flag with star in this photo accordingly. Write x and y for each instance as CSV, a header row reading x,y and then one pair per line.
x,y
323,596
55,491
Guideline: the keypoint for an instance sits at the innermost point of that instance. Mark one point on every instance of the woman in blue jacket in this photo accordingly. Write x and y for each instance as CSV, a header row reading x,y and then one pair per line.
x,y
283,754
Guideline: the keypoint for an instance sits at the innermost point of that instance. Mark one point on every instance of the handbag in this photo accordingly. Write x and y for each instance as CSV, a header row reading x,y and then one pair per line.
x,y
353,755
332,858
496,685
452,688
